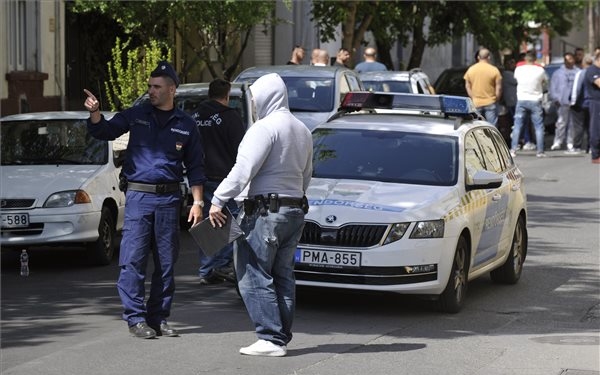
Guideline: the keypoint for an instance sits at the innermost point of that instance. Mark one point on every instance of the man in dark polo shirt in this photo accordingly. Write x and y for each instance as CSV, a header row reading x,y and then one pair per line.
x,y
221,129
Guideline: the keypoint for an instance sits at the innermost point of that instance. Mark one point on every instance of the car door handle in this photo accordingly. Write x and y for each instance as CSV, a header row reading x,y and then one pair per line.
x,y
496,197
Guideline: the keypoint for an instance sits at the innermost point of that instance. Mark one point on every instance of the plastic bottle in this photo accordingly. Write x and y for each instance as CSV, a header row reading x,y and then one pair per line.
x,y
24,263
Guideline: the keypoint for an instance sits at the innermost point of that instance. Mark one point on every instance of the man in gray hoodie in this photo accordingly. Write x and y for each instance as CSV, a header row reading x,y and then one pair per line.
x,y
272,171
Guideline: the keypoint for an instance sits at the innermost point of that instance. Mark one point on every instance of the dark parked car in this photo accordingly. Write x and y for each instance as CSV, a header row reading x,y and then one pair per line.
x,y
451,82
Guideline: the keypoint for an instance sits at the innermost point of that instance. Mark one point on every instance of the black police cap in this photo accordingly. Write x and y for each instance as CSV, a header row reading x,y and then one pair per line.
x,y
165,69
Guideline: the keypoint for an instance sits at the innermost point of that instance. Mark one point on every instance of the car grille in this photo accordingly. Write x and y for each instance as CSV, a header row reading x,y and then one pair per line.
x,y
362,276
32,230
16,203
345,236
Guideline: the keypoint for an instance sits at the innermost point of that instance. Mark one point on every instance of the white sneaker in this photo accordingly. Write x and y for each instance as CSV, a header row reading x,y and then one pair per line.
x,y
555,146
573,151
529,146
513,153
264,348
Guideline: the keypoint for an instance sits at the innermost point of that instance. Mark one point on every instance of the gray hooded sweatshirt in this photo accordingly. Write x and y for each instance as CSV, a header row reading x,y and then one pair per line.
x,y
275,155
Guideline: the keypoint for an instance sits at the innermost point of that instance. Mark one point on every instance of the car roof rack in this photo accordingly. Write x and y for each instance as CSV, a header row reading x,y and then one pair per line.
x,y
446,105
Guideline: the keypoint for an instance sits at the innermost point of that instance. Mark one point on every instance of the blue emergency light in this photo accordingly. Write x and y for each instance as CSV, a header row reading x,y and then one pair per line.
x,y
448,105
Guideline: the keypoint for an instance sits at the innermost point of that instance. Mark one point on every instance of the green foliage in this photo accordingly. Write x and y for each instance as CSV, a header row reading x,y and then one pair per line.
x,y
495,24
129,69
214,31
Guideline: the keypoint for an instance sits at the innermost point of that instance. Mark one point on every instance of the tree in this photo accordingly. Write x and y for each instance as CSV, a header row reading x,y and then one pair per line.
x,y
215,31
354,16
495,24
129,69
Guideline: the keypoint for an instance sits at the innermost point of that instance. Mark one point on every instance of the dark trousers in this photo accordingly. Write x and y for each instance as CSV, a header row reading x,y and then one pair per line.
x,y
595,128
151,227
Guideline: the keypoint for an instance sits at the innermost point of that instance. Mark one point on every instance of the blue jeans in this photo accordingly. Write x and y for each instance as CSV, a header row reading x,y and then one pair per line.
x,y
151,227
533,109
490,112
264,264
224,256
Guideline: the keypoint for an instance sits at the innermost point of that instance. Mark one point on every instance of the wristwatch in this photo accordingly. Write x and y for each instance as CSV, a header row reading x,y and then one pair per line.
x,y
199,203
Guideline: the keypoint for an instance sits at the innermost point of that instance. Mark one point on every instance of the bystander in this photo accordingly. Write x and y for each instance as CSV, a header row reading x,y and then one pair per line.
x,y
483,83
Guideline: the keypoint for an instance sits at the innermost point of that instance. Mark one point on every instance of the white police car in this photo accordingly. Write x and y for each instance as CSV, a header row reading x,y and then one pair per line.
x,y
419,199
59,185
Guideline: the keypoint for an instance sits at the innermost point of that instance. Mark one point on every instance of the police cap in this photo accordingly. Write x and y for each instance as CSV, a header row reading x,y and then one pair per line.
x,y
165,69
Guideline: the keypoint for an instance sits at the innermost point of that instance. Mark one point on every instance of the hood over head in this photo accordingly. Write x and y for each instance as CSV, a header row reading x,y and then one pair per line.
x,y
270,94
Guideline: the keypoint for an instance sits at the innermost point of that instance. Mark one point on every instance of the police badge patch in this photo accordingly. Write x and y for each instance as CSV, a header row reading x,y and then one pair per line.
x,y
178,146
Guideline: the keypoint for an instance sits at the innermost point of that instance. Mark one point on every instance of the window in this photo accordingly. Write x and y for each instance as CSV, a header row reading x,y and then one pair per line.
x,y
474,161
23,35
492,159
386,156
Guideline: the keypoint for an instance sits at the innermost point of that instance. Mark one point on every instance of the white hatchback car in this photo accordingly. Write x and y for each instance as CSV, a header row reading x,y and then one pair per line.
x,y
59,186
419,199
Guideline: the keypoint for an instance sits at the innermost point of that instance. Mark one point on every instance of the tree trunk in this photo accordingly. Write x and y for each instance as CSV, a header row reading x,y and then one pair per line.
x,y
418,44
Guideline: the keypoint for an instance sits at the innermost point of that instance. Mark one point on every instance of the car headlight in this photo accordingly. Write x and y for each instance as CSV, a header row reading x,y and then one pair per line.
x,y
396,232
428,229
67,199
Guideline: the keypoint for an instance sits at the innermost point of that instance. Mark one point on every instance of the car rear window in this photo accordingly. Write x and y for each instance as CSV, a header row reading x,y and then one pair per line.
x,y
387,86
306,94
386,156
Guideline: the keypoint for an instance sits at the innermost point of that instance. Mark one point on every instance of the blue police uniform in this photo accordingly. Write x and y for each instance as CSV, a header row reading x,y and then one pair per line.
x,y
155,154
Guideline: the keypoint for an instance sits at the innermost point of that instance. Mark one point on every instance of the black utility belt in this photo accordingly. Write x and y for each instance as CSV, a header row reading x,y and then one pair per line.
x,y
272,202
154,188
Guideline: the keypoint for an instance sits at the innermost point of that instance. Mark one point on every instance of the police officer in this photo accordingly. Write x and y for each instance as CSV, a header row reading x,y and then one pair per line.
x,y
221,129
161,137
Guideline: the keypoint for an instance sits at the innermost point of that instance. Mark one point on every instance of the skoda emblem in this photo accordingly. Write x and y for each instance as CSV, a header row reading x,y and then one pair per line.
x,y
330,219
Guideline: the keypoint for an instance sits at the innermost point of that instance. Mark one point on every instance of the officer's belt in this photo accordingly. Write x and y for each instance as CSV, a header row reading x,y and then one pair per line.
x,y
151,188
283,201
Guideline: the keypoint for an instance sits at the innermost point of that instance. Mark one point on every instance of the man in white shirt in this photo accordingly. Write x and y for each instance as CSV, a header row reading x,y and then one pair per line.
x,y
530,88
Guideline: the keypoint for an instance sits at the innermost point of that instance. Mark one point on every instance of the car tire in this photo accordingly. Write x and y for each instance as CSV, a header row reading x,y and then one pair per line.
x,y
510,271
103,249
453,297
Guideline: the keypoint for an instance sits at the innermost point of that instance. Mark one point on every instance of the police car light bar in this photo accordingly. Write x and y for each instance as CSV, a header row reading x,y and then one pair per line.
x,y
448,105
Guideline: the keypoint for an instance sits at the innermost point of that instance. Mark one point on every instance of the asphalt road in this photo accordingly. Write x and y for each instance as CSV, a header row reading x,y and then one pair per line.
x,y
65,317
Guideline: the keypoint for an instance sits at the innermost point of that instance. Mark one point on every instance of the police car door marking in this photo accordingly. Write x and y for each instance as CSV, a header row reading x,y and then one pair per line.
x,y
493,224
353,204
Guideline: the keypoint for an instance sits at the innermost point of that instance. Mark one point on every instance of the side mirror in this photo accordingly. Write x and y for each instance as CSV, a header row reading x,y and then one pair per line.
x,y
485,180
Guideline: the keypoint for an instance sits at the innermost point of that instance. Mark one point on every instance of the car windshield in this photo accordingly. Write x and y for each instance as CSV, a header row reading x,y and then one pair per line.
x,y
307,94
387,86
45,142
386,156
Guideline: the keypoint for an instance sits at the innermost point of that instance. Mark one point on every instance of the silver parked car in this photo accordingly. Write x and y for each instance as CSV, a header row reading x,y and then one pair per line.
x,y
314,92
414,81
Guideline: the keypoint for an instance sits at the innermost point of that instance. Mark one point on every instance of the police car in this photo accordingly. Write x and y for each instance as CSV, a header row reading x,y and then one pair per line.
x,y
412,194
